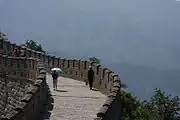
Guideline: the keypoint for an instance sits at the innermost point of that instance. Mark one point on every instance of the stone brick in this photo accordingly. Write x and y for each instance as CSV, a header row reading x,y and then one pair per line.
x,y
32,90
27,77
98,118
108,102
103,110
27,98
38,83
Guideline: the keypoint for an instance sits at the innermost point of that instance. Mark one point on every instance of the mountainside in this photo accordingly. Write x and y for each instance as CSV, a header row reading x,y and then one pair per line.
x,y
142,80
141,32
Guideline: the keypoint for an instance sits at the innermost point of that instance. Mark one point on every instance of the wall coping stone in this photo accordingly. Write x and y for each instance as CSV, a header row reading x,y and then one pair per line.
x,y
27,98
113,79
32,90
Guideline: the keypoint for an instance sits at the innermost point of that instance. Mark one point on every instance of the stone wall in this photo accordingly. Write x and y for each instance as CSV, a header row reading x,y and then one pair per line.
x,y
26,97
23,88
18,66
11,97
106,81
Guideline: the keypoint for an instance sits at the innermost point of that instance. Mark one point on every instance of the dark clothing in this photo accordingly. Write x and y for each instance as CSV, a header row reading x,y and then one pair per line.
x,y
90,77
55,81
15,53
90,84
54,76
90,74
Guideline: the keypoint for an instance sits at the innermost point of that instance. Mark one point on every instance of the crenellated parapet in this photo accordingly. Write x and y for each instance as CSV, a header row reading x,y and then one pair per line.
x,y
26,97
23,86
20,67
28,67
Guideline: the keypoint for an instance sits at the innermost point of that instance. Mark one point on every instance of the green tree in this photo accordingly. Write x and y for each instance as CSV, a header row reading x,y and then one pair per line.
x,y
94,59
31,44
2,35
159,107
166,106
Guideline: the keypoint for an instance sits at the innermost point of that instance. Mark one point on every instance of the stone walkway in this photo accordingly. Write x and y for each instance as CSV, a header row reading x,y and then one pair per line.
x,y
73,100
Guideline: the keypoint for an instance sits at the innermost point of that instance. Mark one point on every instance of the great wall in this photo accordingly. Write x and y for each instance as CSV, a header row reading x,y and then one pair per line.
x,y
24,89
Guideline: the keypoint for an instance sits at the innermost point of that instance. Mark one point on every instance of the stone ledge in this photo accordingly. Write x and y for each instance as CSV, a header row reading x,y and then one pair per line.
x,y
42,71
103,110
27,98
115,92
38,83
98,118
41,76
15,93
32,90
116,84
115,88
20,107
108,102
113,82
10,116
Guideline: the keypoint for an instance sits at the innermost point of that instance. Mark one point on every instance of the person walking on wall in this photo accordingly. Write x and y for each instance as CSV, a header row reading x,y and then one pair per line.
x,y
90,77
55,78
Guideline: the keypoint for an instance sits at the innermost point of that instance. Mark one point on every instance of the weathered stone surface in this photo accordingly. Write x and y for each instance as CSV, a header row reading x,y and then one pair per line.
x,y
116,84
74,100
27,98
113,94
42,71
79,103
32,90
15,94
102,111
41,77
98,118
116,88
108,102
20,106
38,83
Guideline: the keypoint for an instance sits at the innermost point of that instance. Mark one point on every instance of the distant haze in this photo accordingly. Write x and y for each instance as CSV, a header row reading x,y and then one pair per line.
x,y
126,34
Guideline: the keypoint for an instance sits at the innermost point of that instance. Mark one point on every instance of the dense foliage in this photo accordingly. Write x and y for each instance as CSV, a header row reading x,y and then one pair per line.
x,y
94,59
159,107
2,35
31,44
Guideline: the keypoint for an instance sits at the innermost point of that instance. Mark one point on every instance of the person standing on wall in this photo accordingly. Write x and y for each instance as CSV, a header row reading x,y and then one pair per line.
x,y
90,77
55,77
15,52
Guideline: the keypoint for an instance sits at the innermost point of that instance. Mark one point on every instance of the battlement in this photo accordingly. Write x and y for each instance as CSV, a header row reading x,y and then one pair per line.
x,y
15,89
30,69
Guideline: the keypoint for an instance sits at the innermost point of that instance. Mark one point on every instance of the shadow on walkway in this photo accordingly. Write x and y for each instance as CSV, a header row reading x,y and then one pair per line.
x,y
61,90
83,97
94,89
48,107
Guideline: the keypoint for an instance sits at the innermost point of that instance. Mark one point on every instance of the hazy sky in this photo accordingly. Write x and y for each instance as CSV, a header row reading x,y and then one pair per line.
x,y
143,32
126,33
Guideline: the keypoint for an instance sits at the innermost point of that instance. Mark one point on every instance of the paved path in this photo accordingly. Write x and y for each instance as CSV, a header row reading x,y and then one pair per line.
x,y
74,100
